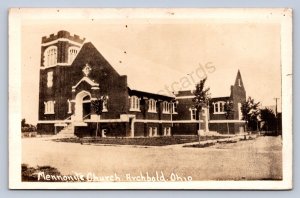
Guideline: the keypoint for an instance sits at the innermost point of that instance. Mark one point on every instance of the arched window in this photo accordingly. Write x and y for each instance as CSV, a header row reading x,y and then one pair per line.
x,y
50,56
49,107
152,106
73,51
166,107
134,103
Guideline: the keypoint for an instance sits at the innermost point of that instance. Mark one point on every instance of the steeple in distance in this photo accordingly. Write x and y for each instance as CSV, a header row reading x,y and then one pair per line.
x,y
238,80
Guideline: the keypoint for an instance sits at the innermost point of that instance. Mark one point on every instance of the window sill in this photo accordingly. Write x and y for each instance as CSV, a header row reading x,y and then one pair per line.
x,y
104,110
49,113
152,111
137,110
219,113
51,65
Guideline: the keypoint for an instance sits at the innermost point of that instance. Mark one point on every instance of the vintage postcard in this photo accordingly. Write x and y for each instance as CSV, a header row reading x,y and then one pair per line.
x,y
150,98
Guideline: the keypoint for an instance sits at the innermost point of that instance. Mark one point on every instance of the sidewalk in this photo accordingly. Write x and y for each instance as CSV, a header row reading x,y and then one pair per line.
x,y
233,138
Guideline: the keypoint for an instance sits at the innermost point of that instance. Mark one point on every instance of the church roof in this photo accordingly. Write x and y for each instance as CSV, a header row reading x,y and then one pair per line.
x,y
145,79
137,78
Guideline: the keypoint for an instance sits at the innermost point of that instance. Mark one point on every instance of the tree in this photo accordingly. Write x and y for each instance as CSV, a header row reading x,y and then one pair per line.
x,y
250,112
269,119
201,99
97,107
228,108
23,123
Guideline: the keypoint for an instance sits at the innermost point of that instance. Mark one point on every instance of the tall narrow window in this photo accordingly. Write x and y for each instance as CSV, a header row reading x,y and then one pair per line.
x,y
216,107
73,51
155,131
240,111
221,107
174,107
50,56
50,79
69,106
134,103
49,107
169,131
152,106
104,106
150,132
193,114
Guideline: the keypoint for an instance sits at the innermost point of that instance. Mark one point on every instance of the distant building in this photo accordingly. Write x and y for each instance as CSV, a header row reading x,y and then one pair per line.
x,y
73,74
213,116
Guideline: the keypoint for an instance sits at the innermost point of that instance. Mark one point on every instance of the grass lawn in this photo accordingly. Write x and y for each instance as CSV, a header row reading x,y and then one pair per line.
x,y
143,141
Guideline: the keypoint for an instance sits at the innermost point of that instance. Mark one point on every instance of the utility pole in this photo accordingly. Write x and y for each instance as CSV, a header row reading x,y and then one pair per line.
x,y
276,114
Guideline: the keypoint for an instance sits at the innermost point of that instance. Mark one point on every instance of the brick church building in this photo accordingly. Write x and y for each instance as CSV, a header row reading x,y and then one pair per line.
x,y
73,74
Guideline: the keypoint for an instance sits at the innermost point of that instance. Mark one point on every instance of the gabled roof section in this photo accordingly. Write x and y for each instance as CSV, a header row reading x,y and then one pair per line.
x,y
89,53
88,80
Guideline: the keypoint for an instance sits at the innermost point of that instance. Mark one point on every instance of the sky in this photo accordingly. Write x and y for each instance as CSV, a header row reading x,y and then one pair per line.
x,y
162,56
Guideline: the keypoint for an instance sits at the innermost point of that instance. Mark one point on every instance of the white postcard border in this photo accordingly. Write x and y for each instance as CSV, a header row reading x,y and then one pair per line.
x,y
19,16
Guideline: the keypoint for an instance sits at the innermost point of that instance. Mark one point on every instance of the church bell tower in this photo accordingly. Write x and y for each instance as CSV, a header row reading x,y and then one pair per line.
x,y
58,52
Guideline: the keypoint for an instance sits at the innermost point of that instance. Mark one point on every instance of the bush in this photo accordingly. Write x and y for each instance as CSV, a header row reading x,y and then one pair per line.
x,y
27,127
30,128
30,174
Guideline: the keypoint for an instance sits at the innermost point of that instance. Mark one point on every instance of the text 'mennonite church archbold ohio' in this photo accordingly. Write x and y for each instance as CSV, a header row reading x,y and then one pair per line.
x,y
73,73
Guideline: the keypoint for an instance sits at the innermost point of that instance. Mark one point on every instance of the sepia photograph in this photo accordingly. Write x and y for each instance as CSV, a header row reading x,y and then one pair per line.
x,y
150,98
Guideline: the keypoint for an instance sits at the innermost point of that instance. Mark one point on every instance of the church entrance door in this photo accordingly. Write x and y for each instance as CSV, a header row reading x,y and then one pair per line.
x,y
82,106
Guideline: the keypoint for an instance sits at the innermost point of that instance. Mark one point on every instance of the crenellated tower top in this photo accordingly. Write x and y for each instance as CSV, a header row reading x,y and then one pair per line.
x,y
60,49
62,35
